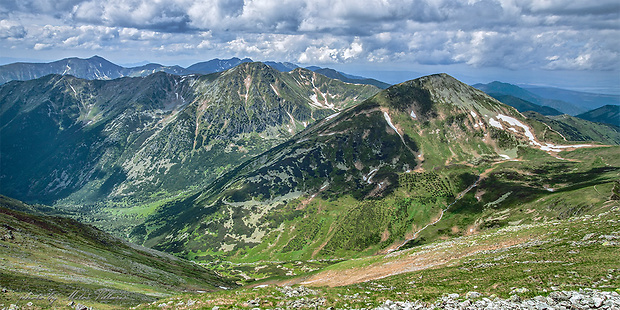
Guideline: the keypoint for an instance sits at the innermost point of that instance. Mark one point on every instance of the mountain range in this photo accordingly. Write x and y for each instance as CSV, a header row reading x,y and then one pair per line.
x,y
134,140
566,101
98,68
359,182
261,174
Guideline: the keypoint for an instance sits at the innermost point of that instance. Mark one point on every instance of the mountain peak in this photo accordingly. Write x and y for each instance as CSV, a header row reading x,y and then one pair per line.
x,y
97,57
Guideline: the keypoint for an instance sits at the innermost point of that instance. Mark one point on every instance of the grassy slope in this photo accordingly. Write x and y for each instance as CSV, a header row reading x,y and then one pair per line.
x,y
576,129
570,254
334,211
535,189
56,256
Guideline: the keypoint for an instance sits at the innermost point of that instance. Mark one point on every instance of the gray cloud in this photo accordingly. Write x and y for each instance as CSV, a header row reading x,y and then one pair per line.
x,y
11,30
513,34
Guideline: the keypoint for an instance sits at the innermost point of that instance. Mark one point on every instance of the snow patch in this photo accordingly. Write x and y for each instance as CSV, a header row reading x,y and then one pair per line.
x,y
389,121
332,116
495,124
315,101
558,148
368,177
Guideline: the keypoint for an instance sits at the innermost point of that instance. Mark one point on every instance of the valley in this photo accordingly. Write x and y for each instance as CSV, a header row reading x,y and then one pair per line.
x,y
256,188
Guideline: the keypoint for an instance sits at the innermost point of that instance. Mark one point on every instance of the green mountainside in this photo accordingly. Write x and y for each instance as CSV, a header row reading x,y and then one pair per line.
x,y
131,141
56,257
577,129
609,114
366,180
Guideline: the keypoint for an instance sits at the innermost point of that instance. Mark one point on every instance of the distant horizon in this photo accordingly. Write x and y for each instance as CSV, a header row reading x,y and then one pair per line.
x,y
519,78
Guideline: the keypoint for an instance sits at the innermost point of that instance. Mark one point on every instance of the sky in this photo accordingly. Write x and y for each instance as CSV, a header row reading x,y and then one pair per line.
x,y
573,44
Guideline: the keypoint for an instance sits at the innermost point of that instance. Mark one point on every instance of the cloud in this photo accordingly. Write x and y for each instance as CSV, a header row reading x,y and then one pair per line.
x,y
11,30
513,34
159,15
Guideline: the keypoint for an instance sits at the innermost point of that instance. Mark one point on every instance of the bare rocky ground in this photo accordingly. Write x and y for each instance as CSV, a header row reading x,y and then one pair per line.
x,y
557,300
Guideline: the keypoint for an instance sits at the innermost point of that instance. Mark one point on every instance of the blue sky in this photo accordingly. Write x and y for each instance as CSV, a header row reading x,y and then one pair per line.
x,y
571,44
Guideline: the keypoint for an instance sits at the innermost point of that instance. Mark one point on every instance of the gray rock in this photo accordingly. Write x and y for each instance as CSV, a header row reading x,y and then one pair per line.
x,y
559,296
473,295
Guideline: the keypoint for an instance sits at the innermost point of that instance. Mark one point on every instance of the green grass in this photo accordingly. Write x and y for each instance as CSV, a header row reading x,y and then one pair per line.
x,y
572,254
46,255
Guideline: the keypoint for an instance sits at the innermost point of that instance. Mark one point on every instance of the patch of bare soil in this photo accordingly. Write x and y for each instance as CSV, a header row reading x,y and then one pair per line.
x,y
401,262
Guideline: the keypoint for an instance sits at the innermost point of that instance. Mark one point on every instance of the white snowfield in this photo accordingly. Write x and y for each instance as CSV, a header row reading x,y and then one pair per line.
x,y
548,147
389,121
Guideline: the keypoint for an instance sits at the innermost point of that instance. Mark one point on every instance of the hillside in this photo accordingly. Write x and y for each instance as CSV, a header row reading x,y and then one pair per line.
x,y
56,257
577,129
132,141
554,264
498,88
524,106
609,114
585,100
364,180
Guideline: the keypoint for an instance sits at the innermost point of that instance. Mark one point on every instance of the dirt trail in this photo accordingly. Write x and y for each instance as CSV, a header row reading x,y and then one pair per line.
x,y
428,257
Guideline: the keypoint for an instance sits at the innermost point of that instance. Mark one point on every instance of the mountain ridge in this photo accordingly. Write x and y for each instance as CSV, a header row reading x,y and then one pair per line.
x,y
356,168
134,141
497,87
608,114
97,67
